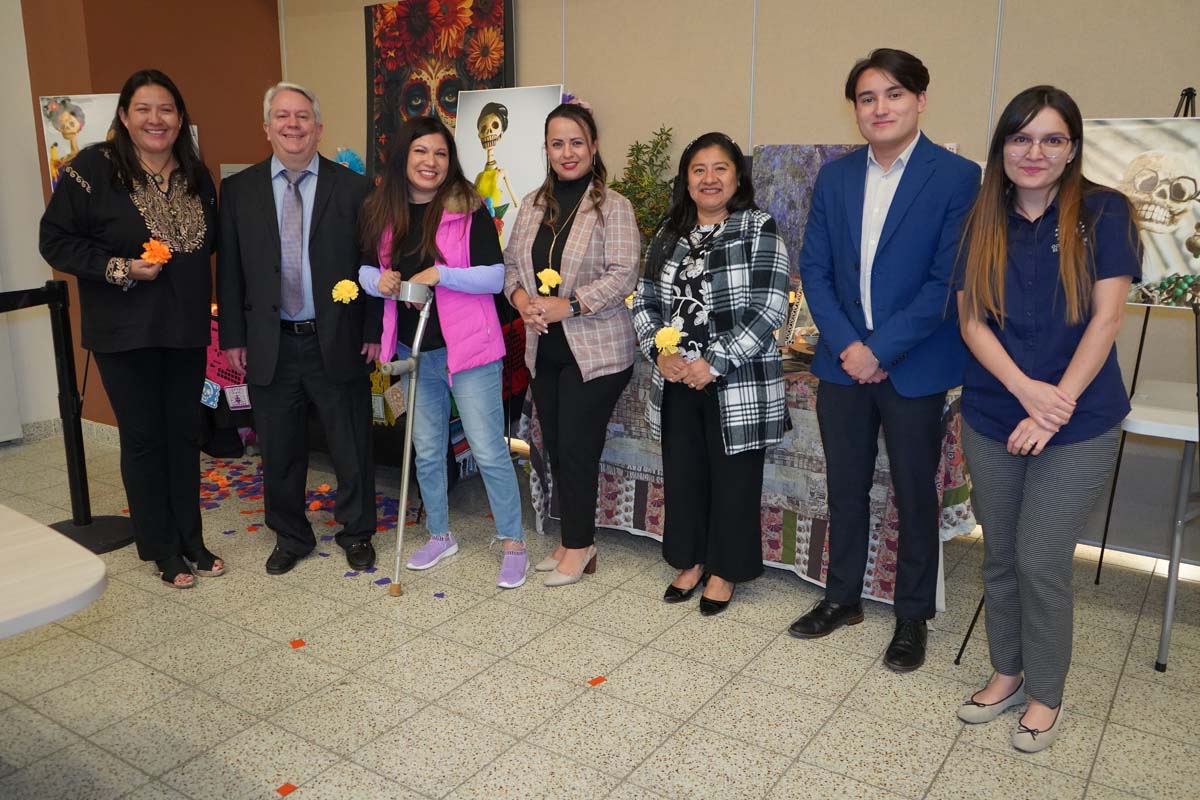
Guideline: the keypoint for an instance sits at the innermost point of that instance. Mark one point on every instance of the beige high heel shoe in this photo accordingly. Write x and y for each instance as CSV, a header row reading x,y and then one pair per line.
x,y
563,579
547,564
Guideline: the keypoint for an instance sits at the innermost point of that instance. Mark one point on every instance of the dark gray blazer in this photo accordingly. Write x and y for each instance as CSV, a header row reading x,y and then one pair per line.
x,y
248,261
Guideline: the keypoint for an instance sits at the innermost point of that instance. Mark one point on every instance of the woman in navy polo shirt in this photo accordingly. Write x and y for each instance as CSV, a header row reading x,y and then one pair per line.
x,y
1045,266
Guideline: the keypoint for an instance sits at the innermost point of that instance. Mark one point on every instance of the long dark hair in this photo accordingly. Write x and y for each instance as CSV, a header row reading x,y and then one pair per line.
x,y
545,193
387,205
985,233
681,214
128,170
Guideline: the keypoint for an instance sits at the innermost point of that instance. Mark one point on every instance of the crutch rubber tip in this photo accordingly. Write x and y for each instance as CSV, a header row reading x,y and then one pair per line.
x,y
394,589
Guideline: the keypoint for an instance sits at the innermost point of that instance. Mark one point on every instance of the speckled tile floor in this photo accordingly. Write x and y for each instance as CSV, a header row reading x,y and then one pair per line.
x,y
461,690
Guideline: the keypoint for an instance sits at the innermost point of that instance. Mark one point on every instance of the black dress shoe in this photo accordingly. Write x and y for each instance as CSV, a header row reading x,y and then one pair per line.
x,y
281,561
907,650
710,607
674,594
360,555
825,618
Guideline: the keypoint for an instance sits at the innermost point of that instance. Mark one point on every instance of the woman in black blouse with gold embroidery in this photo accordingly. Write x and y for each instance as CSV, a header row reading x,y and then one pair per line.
x,y
147,323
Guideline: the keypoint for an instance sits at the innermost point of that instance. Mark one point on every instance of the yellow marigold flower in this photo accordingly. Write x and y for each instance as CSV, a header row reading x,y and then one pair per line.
x,y
666,339
344,291
156,252
549,278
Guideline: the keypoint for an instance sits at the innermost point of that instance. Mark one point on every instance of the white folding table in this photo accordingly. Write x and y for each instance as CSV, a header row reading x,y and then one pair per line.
x,y
1167,410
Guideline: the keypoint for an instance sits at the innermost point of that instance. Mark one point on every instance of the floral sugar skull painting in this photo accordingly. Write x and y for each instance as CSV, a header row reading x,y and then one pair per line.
x,y
422,53
1156,164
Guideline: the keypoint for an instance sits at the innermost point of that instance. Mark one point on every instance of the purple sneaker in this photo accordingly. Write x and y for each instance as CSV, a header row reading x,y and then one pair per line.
x,y
512,569
433,551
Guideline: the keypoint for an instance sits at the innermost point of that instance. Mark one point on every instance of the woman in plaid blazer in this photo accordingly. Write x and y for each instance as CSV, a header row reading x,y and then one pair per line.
x,y
571,262
715,290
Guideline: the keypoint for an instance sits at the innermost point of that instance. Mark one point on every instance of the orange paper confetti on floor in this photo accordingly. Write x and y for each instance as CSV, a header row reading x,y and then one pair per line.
x,y
286,789
315,505
296,643
324,487
596,681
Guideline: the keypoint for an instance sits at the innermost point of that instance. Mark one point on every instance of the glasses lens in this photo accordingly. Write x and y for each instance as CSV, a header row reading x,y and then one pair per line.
x,y
1055,146
1017,144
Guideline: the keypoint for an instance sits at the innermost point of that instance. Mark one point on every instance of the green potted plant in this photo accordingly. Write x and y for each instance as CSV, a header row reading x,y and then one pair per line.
x,y
643,182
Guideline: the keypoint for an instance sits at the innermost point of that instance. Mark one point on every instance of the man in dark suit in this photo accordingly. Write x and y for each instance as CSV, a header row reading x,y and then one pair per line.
x,y
879,250
288,234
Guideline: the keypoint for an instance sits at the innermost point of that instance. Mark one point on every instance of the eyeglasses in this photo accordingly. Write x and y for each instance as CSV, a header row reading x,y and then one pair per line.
x,y
1179,190
1017,145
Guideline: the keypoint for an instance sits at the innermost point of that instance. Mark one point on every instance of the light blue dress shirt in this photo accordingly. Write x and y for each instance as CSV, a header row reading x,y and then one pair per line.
x,y
308,195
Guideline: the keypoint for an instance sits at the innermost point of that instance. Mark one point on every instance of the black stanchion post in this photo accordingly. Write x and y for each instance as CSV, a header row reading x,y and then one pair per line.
x,y
70,405
98,534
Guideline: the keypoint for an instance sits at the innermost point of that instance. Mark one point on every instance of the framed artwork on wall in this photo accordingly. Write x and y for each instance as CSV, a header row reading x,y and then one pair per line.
x,y
421,54
72,122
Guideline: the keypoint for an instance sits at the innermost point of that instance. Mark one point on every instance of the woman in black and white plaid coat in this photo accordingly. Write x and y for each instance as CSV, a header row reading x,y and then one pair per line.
x,y
714,291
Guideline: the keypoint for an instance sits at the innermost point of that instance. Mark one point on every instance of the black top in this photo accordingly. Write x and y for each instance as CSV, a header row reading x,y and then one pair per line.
x,y
92,226
569,195
485,249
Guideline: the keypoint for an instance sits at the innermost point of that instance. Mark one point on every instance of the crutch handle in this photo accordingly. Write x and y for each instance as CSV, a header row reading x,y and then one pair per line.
x,y
417,293
401,366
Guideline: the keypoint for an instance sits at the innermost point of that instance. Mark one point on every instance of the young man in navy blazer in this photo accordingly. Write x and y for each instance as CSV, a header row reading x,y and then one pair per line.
x,y
876,265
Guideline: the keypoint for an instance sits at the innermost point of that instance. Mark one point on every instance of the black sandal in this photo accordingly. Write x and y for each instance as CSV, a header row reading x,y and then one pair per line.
x,y
204,563
172,569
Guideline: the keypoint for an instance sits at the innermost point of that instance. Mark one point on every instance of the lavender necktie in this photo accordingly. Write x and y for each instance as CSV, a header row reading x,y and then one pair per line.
x,y
291,242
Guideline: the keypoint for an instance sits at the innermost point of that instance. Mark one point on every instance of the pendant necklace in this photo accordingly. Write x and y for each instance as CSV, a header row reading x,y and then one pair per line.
x,y
157,177
554,238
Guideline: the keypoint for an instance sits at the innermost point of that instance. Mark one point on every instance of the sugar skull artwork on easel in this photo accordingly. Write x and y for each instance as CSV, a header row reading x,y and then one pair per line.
x,y
493,122
505,147
1156,164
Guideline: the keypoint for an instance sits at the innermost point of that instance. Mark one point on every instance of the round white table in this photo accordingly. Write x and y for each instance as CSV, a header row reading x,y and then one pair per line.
x,y
44,576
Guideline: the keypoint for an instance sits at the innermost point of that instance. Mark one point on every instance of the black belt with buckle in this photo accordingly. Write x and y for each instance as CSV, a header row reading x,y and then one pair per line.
x,y
304,327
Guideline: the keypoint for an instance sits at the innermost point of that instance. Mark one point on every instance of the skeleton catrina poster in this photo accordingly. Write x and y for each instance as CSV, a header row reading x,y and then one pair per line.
x,y
1156,164
500,140
422,53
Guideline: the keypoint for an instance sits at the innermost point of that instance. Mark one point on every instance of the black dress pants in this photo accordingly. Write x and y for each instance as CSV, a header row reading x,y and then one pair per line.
x,y
574,418
849,418
155,395
713,501
281,421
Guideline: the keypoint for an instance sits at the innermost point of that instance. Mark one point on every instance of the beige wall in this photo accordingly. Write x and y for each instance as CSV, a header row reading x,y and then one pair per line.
x,y
772,71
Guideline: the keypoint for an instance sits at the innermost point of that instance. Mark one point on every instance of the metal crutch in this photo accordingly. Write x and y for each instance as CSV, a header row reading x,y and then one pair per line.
x,y
422,295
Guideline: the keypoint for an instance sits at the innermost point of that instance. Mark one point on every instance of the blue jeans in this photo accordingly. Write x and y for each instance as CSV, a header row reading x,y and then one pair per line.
x,y
478,394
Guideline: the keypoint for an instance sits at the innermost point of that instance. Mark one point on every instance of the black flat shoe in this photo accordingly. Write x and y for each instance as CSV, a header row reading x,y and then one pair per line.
x,y
281,561
710,607
907,650
674,594
824,618
360,555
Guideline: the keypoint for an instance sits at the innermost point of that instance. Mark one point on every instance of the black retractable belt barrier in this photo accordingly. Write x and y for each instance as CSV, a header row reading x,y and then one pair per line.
x,y
98,534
